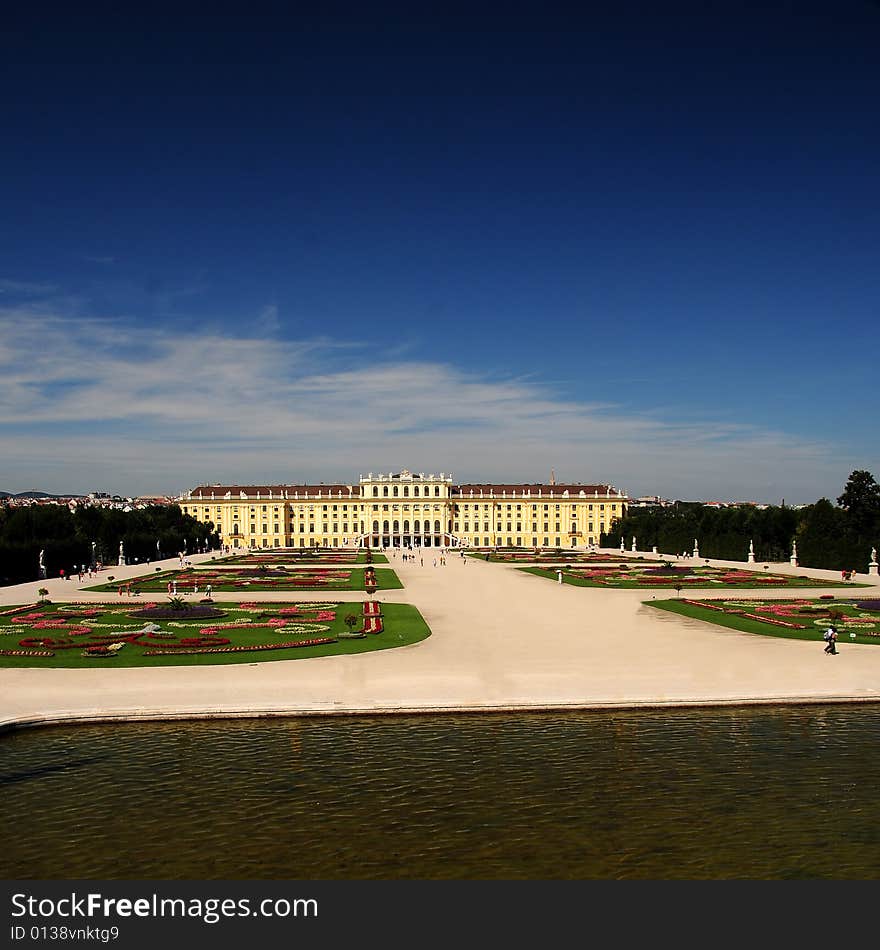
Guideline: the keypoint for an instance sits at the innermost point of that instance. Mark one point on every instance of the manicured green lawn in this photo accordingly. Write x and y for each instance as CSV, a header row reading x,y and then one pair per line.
x,y
700,577
813,629
252,579
403,625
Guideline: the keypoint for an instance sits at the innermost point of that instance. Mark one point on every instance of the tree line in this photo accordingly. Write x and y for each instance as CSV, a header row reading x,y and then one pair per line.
x,y
829,536
65,537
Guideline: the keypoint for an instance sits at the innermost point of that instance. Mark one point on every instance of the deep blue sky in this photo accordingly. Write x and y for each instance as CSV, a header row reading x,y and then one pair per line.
x,y
659,220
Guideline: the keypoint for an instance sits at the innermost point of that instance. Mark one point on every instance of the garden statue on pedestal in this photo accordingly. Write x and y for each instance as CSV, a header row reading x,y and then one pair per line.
x,y
872,567
793,559
751,552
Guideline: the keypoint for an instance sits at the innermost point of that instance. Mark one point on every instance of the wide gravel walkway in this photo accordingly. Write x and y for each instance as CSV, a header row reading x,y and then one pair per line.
x,y
501,639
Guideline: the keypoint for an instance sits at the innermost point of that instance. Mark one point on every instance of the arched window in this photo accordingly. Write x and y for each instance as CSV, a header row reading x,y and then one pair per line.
x,y
406,527
384,491
397,527
436,527
437,490
384,527
375,527
406,491
375,491
395,491
417,526
416,491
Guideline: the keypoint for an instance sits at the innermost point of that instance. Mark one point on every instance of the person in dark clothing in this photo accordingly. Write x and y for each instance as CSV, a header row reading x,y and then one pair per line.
x,y
831,640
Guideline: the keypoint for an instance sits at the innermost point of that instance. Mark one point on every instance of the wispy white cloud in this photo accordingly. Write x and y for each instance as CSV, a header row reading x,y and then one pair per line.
x,y
93,403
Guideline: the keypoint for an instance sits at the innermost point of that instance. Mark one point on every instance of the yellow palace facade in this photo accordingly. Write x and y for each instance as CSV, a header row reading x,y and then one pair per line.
x,y
405,509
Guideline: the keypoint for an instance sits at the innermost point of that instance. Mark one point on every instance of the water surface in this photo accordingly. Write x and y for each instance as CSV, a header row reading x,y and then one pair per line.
x,y
745,793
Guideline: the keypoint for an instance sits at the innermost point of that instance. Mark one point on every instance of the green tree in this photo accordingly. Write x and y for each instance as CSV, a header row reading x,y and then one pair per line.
x,y
861,494
861,502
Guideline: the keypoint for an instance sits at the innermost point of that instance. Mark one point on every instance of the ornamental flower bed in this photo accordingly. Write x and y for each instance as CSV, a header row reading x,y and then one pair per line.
x,y
26,653
798,615
317,641
66,631
225,579
674,577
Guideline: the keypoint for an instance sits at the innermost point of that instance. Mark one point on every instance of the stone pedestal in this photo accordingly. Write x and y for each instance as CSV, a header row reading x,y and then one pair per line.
x,y
873,569
793,561
654,549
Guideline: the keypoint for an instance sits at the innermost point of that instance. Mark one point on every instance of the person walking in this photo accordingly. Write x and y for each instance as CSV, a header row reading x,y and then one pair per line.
x,y
830,637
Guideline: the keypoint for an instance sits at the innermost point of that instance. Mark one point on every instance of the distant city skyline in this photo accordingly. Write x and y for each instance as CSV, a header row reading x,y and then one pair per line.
x,y
636,247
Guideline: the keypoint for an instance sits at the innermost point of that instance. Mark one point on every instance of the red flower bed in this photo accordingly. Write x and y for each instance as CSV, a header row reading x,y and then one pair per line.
x,y
776,623
13,610
26,653
243,649
186,642
702,603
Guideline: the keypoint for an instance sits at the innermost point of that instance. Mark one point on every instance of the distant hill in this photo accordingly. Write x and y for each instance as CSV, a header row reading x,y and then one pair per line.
x,y
5,494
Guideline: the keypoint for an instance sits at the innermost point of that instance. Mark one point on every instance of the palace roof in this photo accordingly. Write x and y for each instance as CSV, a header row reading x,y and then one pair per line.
x,y
536,489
